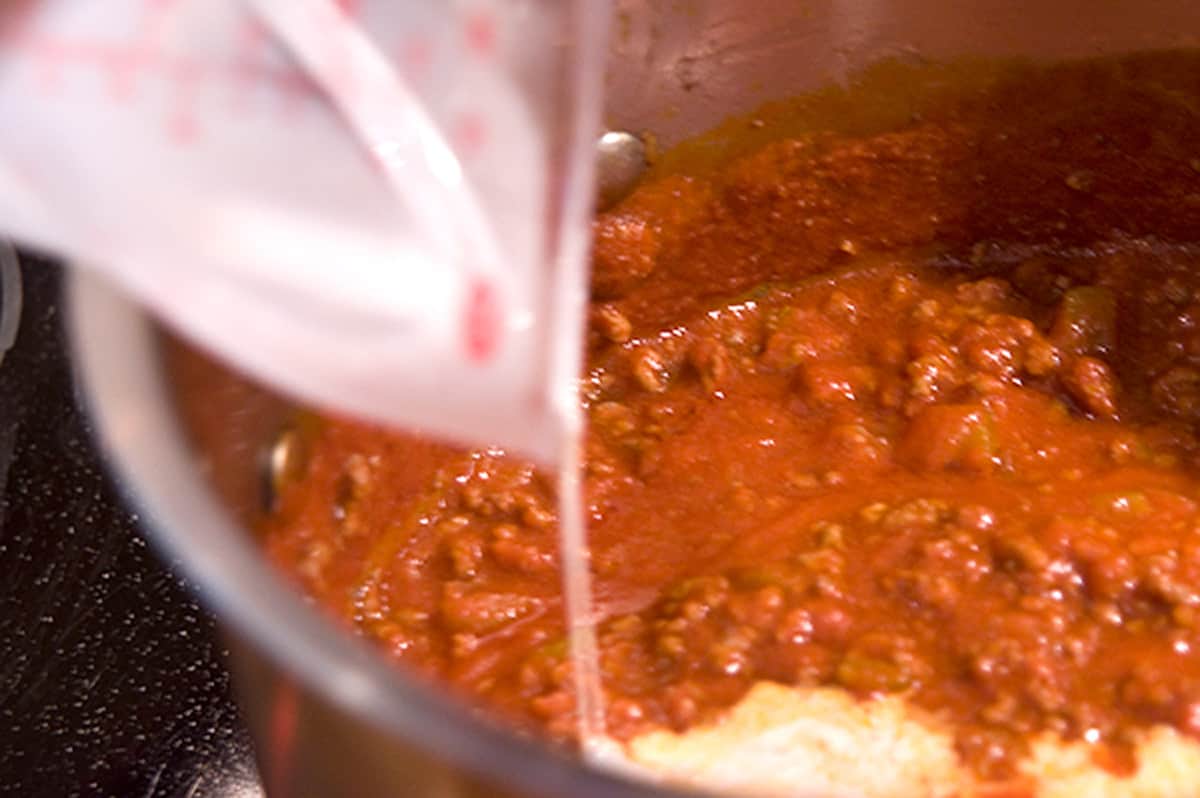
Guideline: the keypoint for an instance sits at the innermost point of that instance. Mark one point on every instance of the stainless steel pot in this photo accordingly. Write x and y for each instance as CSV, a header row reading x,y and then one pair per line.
x,y
330,717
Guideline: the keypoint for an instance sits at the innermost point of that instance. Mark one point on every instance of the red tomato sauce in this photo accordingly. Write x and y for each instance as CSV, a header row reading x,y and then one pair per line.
x,y
911,410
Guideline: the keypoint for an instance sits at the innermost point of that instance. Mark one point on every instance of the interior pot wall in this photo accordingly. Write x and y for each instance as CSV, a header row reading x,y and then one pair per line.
x,y
679,68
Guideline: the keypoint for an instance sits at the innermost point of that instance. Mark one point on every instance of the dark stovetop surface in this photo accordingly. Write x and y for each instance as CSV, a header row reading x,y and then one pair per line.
x,y
112,678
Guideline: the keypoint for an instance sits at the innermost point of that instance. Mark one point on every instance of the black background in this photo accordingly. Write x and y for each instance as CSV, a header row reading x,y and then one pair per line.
x,y
112,678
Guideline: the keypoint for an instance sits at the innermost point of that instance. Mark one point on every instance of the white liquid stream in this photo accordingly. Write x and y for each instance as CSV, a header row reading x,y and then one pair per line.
x,y
579,601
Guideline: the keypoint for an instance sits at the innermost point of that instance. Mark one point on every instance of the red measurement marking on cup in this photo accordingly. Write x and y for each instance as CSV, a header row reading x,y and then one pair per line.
x,y
481,321
470,134
123,66
480,29
415,56
251,69
121,62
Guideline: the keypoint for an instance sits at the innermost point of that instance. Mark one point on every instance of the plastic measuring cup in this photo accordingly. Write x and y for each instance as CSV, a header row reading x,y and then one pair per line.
x,y
378,207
